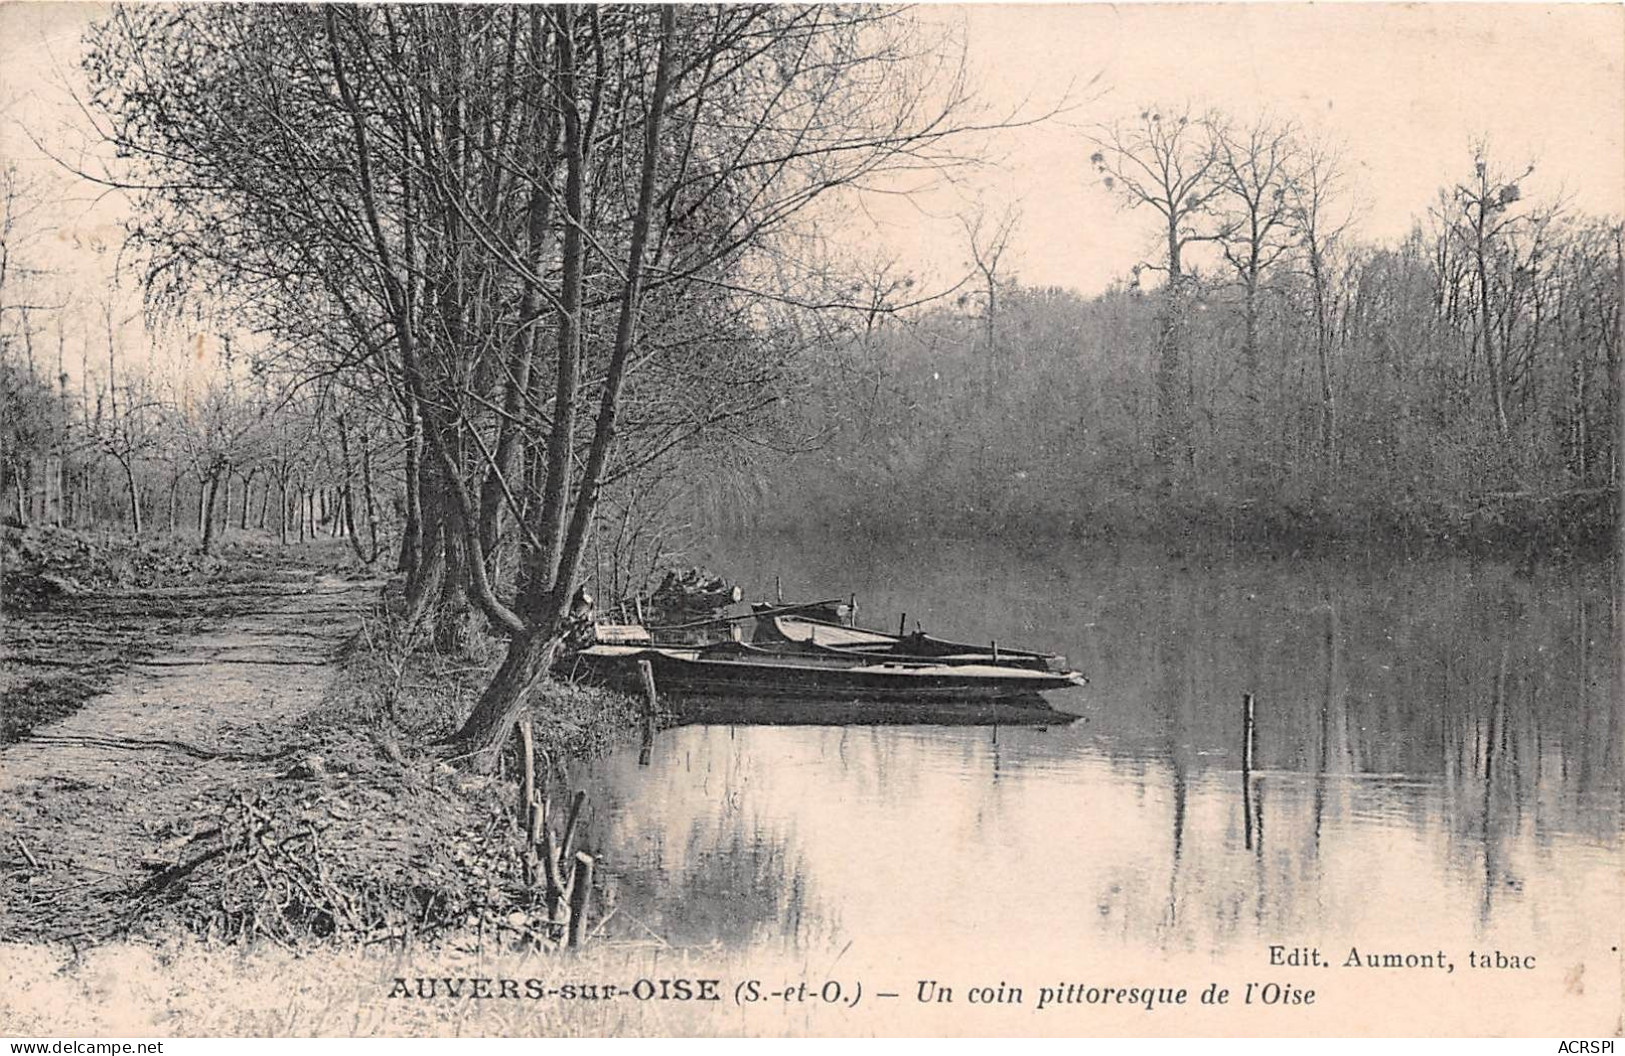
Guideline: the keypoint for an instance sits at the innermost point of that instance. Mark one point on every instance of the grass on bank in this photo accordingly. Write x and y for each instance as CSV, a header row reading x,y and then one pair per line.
x,y
369,836
362,833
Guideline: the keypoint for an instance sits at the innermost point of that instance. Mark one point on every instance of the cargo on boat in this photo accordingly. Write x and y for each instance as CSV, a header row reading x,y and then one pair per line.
x,y
790,625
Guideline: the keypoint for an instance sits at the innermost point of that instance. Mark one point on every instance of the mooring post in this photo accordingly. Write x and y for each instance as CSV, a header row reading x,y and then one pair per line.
x,y
537,822
552,874
570,827
1249,733
527,787
902,624
852,611
580,893
995,651
778,591
1248,736
646,672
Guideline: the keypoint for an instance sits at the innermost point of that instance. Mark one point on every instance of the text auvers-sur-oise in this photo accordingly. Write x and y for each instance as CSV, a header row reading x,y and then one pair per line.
x,y
482,988
1438,960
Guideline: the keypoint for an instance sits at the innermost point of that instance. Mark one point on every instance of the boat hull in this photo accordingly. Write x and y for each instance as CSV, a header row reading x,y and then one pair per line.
x,y
743,672
689,710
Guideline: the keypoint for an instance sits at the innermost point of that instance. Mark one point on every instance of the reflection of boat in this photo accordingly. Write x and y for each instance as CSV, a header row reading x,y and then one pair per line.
x,y
738,671
777,626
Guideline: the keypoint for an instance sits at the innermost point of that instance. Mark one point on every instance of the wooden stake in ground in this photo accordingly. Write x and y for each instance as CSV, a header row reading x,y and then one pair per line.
x,y
580,894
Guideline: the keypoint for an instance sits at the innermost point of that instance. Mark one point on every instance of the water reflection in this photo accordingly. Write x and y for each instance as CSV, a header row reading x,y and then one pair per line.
x,y
1436,759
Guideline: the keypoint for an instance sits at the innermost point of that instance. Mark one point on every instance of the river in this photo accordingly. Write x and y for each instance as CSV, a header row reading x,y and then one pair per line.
x,y
1438,765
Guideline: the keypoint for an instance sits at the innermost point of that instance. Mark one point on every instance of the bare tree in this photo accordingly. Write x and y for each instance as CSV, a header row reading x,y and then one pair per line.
x,y
1320,229
125,423
988,239
1167,160
1255,173
1485,217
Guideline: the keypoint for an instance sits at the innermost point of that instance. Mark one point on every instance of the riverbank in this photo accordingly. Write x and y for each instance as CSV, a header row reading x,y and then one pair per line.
x,y
1529,525
249,758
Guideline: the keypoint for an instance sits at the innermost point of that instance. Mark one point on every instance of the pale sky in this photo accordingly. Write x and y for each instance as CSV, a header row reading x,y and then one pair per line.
x,y
1405,88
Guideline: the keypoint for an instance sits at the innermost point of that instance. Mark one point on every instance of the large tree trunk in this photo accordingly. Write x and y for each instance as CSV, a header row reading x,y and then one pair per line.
x,y
530,657
531,653
423,585
454,621
423,581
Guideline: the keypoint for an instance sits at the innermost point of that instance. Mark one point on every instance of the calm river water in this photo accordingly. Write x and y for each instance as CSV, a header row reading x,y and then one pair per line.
x,y
1438,764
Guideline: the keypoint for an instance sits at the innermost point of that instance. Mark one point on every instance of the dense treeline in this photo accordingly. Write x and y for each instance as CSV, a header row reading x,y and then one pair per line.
x,y
1460,385
133,450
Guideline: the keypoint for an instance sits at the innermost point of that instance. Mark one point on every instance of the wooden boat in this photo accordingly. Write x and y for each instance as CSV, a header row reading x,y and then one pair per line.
x,y
778,626
744,671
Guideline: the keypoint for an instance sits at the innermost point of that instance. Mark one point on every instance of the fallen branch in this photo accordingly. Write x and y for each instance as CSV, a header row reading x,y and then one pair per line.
x,y
21,846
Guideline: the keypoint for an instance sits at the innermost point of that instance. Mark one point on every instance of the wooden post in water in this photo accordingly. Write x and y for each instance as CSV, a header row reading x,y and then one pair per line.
x,y
995,651
552,873
646,745
570,827
646,672
778,591
902,624
651,700
1249,735
537,823
580,893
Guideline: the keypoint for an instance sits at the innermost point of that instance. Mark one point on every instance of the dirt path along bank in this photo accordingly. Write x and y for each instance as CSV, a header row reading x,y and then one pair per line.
x,y
98,801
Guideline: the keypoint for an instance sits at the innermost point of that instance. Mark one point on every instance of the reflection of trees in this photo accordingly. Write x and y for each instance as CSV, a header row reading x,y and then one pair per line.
x,y
728,877
738,884
1464,709
1466,701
